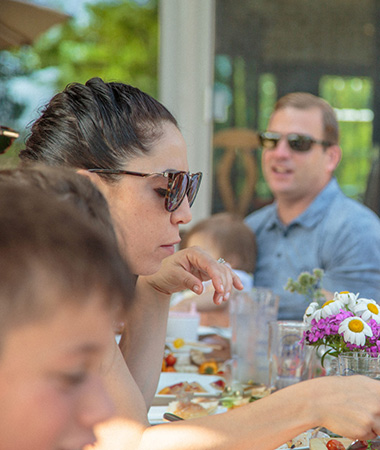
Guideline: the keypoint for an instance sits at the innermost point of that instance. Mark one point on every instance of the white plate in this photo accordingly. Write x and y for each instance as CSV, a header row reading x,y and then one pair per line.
x,y
220,331
170,378
186,348
307,435
156,414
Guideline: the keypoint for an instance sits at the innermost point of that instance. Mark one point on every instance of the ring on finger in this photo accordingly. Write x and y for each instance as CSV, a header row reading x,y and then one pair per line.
x,y
221,261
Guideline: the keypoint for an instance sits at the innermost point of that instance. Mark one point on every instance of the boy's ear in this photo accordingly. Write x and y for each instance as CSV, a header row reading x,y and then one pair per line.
x,y
92,176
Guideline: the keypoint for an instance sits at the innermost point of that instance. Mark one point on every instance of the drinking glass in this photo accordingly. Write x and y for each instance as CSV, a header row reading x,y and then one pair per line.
x,y
289,361
250,314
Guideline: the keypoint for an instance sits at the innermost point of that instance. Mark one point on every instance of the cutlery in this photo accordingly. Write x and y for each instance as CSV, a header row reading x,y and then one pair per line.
x,y
172,417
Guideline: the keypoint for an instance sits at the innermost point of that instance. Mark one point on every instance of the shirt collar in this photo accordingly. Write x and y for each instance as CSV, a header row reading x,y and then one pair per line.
x,y
313,214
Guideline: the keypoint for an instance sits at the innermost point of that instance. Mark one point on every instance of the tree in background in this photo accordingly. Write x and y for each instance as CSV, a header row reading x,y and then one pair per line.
x,y
118,42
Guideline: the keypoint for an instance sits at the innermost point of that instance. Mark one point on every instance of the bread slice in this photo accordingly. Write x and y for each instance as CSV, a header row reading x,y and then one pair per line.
x,y
192,409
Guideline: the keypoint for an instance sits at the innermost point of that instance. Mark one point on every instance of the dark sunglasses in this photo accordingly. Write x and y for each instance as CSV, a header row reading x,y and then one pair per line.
x,y
297,142
180,184
7,136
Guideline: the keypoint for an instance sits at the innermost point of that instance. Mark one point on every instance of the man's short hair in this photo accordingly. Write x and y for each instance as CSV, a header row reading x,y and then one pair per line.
x,y
305,100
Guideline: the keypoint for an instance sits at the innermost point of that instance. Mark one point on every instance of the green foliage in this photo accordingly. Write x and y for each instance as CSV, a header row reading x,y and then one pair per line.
x,y
353,93
118,42
309,285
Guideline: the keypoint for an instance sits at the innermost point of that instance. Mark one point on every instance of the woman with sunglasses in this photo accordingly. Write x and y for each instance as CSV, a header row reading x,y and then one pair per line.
x,y
131,148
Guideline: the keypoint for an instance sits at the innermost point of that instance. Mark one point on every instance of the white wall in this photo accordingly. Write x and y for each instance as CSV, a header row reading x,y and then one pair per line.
x,y
186,82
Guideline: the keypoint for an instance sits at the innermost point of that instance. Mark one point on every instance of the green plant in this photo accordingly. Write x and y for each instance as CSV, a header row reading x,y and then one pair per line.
x,y
309,285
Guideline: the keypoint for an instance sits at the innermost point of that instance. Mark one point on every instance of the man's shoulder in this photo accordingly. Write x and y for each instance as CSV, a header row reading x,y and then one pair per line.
x,y
348,220
346,208
258,219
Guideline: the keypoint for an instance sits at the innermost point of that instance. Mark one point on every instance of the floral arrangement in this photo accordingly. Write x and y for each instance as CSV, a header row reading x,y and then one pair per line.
x,y
345,323
309,285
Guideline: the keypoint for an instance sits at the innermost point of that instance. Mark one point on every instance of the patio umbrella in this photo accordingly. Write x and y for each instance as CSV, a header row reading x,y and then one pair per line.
x,y
22,22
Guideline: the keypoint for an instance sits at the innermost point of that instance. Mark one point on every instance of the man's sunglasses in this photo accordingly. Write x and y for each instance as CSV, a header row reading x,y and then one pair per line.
x,y
180,184
7,136
297,142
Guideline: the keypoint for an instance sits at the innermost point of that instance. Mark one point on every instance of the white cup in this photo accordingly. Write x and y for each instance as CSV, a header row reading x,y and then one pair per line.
x,y
183,325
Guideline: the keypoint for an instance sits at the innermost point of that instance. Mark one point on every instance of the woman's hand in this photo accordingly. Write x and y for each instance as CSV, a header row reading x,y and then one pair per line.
x,y
188,268
348,406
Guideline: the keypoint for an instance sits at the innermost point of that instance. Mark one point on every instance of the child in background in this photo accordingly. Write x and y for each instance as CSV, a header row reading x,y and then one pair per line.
x,y
223,235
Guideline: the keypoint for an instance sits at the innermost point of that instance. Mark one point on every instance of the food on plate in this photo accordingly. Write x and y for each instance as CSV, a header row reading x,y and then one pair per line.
x,y
170,360
192,409
209,367
236,395
174,389
168,363
259,391
178,343
219,385
304,439
321,443
334,444
197,357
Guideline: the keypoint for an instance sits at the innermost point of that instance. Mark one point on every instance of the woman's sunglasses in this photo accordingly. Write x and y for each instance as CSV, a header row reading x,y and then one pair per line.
x,y
180,184
7,136
297,142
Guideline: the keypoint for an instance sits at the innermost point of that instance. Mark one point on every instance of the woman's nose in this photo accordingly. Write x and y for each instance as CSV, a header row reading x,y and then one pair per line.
x,y
183,213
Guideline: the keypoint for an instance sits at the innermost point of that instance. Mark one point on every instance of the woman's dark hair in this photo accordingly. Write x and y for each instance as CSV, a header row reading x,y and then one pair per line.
x,y
96,125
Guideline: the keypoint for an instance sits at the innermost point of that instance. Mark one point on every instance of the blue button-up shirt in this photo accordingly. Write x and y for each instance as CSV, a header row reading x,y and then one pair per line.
x,y
335,233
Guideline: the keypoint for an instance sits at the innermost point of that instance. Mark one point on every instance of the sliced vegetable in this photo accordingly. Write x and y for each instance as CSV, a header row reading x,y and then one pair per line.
x,y
333,444
170,359
178,343
209,367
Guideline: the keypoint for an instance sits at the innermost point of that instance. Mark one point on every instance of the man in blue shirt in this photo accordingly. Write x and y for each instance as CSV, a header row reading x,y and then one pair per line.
x,y
311,224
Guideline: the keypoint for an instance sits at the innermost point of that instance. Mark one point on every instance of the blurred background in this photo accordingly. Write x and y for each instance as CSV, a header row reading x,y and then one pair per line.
x,y
219,66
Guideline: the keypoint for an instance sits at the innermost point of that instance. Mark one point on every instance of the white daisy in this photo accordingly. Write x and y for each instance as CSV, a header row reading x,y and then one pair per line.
x,y
347,298
331,307
327,309
309,313
367,309
355,330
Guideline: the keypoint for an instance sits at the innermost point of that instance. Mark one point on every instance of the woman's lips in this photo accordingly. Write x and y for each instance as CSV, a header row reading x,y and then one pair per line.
x,y
170,249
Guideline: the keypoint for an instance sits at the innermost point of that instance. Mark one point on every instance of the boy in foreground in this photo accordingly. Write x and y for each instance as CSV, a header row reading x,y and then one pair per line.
x,y
63,283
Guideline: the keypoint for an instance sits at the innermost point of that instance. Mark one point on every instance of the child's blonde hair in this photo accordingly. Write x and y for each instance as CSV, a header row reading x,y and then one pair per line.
x,y
229,233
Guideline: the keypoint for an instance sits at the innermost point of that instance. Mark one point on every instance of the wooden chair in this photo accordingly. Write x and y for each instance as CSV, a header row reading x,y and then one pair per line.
x,y
236,141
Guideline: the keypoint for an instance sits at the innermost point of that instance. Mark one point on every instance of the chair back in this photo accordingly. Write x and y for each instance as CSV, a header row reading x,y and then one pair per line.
x,y
243,142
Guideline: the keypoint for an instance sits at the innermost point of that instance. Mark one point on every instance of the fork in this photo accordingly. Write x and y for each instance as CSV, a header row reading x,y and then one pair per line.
x,y
172,417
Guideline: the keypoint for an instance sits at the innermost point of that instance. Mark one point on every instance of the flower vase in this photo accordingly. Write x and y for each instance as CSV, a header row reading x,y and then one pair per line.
x,y
359,363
